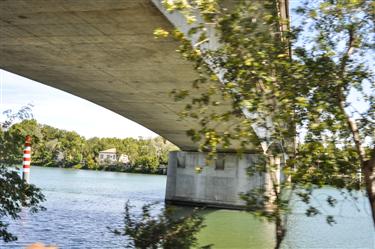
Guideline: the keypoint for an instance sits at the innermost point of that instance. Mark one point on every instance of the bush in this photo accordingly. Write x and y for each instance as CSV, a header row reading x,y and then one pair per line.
x,y
165,230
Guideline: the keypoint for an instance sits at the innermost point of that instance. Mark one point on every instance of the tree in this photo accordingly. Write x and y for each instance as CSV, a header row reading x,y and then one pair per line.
x,y
163,231
338,51
71,144
163,147
14,139
55,147
282,85
49,147
15,194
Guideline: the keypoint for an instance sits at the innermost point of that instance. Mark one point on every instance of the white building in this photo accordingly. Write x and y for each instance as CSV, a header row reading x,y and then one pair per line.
x,y
107,156
124,159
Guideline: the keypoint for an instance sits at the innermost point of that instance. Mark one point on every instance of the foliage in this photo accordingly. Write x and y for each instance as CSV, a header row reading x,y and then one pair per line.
x,y
266,85
166,230
14,139
55,147
335,56
22,114
15,194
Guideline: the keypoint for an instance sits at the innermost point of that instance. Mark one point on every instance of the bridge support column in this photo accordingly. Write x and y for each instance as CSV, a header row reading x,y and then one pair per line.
x,y
193,181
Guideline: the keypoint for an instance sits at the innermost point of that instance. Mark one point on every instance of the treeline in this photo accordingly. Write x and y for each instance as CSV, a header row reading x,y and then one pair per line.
x,y
52,147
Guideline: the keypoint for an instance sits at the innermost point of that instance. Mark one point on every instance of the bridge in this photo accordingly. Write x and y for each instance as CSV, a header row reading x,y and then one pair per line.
x,y
104,51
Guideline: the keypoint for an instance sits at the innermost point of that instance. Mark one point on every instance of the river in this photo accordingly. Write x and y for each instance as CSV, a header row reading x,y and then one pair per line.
x,y
81,204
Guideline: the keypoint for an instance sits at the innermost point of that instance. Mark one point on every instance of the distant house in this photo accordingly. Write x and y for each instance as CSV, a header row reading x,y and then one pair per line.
x,y
123,159
107,156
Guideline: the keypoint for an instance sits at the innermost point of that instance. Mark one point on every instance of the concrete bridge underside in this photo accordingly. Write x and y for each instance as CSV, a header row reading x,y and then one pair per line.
x,y
103,51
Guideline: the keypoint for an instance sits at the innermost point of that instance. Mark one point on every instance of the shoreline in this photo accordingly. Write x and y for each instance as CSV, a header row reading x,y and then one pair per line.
x,y
105,169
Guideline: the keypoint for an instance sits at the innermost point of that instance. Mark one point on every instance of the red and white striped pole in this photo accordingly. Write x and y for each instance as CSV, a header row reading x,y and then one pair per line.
x,y
26,159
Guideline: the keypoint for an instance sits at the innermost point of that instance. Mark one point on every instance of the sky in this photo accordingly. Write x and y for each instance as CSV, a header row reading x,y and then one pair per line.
x,y
63,110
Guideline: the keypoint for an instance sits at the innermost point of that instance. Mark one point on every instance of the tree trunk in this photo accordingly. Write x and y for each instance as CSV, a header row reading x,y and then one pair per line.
x,y
368,166
280,232
369,177
276,188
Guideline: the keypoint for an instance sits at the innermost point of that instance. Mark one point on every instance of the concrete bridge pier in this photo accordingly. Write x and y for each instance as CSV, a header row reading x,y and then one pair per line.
x,y
193,181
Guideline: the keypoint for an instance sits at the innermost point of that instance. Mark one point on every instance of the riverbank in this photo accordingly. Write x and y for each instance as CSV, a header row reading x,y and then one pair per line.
x,y
113,168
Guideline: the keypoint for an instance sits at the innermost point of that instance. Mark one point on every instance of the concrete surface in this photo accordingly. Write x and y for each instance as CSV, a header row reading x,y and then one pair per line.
x,y
103,51
218,184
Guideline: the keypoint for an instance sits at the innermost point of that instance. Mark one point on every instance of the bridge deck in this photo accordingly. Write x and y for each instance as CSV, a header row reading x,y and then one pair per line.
x,y
103,51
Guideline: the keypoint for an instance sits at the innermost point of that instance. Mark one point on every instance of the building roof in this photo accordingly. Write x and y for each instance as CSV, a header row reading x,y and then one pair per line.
x,y
112,150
